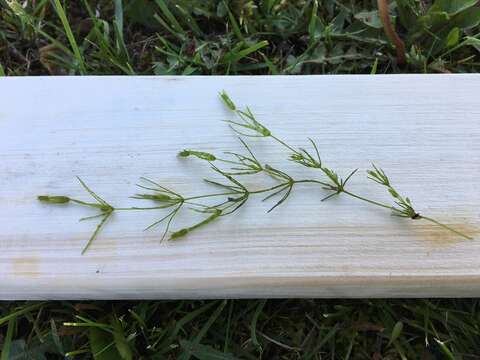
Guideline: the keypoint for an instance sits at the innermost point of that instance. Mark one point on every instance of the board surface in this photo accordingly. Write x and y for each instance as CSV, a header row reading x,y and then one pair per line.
x,y
424,131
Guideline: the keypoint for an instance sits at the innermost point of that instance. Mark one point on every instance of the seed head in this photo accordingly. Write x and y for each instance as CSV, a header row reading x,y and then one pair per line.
x,y
199,154
54,199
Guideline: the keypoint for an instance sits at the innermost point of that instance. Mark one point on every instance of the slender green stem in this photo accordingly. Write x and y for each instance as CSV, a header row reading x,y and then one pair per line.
x,y
373,202
97,230
445,227
419,217
141,208
228,161
312,181
210,195
84,203
269,189
195,204
188,199
237,192
284,144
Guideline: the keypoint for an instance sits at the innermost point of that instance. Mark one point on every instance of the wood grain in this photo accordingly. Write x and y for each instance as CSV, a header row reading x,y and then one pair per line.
x,y
423,130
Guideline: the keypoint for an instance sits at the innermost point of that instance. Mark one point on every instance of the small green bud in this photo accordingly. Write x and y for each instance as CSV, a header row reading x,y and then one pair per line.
x,y
332,175
393,193
297,157
226,99
54,199
161,197
155,197
199,154
266,132
179,233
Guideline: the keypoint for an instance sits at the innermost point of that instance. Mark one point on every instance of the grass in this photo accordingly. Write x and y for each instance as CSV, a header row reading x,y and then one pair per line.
x,y
234,37
238,37
243,329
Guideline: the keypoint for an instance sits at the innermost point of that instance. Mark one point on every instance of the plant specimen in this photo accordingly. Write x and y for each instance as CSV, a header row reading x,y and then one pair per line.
x,y
232,193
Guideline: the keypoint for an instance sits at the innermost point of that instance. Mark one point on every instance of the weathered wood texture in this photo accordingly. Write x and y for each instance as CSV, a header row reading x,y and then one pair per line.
x,y
423,130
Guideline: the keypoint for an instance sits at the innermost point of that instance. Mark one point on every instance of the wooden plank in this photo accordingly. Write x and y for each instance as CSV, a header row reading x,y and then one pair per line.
x,y
423,130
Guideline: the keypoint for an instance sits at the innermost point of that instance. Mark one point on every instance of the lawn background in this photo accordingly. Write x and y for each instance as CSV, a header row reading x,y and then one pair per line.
x,y
185,37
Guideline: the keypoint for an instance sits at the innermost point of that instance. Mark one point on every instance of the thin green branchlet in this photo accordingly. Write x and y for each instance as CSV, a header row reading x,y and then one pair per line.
x,y
105,209
336,185
232,193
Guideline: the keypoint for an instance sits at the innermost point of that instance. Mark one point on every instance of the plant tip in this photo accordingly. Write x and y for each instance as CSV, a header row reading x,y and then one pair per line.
x,y
199,154
53,199
178,234
226,99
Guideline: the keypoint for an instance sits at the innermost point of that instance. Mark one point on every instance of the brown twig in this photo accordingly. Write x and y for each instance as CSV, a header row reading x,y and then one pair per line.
x,y
390,31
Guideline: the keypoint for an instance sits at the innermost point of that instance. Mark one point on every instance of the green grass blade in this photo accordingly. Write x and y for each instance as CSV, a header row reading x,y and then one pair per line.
x,y
190,20
118,29
373,71
253,324
57,43
119,17
271,66
102,345
20,312
234,56
121,342
313,22
186,355
190,316
167,27
70,36
170,17
7,343
234,23
204,352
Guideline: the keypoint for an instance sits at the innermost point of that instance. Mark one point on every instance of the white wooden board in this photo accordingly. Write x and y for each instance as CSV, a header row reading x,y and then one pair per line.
x,y
423,130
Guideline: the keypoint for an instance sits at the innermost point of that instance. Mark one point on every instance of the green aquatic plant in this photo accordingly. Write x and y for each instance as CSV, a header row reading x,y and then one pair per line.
x,y
233,193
